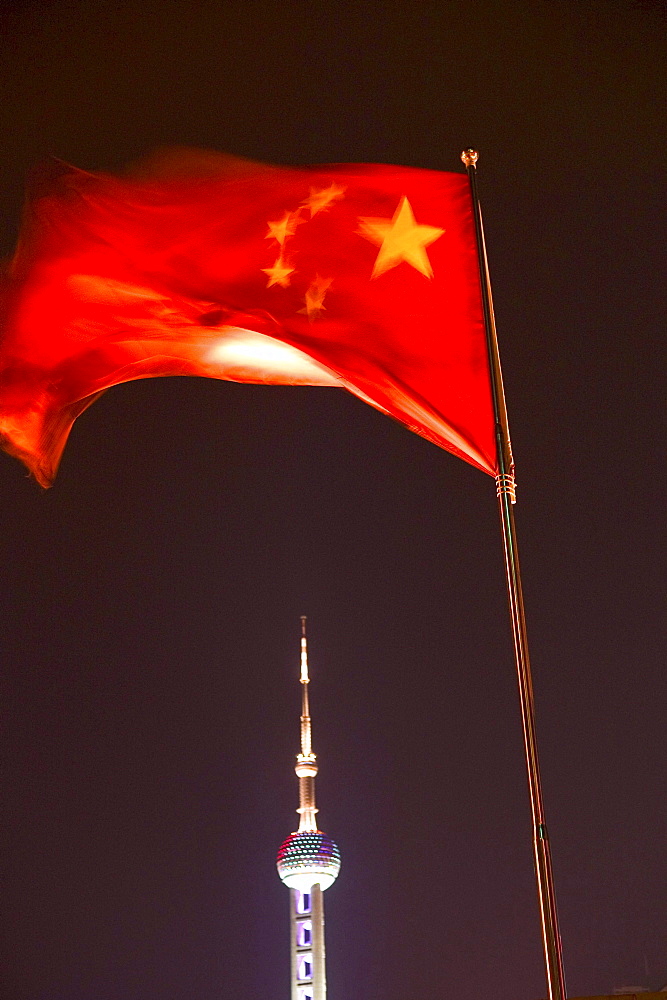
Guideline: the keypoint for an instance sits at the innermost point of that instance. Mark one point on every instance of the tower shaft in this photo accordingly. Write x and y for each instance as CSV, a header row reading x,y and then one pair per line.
x,y
309,980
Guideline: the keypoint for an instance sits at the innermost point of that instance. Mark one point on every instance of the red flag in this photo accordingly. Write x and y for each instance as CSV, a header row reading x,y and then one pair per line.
x,y
358,276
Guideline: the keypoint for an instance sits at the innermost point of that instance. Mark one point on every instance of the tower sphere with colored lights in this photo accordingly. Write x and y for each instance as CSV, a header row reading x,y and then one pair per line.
x,y
308,863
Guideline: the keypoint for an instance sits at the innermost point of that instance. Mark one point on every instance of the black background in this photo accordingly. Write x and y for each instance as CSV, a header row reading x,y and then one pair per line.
x,y
151,599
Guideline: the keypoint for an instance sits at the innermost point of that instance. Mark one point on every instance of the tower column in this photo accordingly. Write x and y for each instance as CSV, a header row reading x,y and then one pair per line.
x,y
319,965
293,942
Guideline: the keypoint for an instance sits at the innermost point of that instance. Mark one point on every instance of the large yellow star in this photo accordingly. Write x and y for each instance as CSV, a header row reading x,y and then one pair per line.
x,y
321,198
279,274
400,238
284,227
314,297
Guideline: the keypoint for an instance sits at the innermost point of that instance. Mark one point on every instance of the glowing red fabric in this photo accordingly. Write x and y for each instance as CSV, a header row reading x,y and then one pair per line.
x,y
360,276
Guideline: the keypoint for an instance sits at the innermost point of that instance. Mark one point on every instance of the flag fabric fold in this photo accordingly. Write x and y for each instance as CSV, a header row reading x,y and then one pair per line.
x,y
363,277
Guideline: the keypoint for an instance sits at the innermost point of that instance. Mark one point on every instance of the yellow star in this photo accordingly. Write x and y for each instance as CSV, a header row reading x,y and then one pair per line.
x,y
319,200
400,238
314,297
284,227
278,274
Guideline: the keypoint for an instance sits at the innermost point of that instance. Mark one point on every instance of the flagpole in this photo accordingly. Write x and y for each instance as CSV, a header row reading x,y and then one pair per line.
x,y
505,489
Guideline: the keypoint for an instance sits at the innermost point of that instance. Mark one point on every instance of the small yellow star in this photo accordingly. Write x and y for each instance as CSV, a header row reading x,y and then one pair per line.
x,y
284,227
319,200
314,297
400,238
279,274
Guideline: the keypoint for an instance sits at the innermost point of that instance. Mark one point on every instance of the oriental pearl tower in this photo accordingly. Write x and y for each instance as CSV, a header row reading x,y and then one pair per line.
x,y
308,863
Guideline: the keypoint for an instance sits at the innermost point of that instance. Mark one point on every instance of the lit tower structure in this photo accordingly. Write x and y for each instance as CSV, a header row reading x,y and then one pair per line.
x,y
308,862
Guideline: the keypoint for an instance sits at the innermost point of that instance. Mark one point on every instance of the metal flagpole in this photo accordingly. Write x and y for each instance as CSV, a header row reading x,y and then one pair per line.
x,y
505,489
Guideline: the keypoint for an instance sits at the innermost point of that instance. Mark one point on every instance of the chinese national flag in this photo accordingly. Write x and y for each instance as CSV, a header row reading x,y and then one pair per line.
x,y
363,277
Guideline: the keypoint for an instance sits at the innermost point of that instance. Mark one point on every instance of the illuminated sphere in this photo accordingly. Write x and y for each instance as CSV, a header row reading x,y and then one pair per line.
x,y
306,858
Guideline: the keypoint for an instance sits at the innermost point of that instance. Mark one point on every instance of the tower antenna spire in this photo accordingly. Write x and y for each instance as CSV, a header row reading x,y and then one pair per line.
x,y
306,756
306,761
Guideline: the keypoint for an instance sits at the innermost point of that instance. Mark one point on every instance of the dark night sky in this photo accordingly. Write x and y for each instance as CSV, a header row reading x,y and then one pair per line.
x,y
151,598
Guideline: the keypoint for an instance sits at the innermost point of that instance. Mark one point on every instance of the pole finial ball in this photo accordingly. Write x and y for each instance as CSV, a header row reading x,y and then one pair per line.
x,y
470,157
